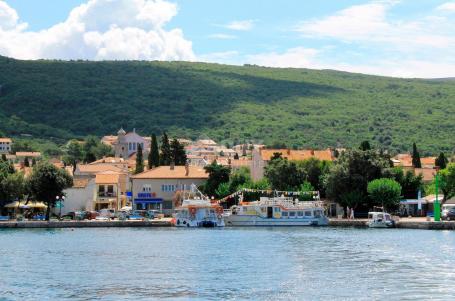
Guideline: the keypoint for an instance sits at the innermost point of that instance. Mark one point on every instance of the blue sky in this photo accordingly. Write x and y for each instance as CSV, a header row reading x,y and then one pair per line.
x,y
405,38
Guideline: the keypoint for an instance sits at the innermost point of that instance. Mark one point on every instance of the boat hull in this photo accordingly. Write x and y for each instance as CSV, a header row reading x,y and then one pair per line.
x,y
376,224
194,223
245,220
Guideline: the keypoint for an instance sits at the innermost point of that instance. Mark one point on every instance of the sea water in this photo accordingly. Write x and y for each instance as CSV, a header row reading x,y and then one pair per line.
x,y
227,264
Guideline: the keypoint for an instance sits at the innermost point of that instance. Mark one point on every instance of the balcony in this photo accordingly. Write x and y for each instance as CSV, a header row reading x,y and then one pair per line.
x,y
107,194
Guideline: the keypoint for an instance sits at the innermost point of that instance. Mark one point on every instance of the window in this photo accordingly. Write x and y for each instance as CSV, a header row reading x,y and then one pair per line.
x,y
284,214
147,188
129,146
134,146
307,213
300,213
276,209
292,214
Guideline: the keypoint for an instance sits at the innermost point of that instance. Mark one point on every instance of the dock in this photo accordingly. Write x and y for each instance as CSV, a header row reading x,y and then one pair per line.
x,y
403,223
165,222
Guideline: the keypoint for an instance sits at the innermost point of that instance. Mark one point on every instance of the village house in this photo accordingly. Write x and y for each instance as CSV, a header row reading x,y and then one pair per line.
x,y
80,197
261,157
126,144
21,156
156,188
427,170
111,188
5,145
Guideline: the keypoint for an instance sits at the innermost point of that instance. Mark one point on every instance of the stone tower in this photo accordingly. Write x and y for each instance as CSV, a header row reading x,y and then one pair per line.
x,y
121,147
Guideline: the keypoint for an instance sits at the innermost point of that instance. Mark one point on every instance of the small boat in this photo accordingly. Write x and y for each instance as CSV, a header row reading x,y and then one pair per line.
x,y
197,210
378,219
277,211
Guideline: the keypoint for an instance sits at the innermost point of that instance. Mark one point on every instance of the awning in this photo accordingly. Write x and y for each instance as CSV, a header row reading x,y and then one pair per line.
x,y
22,205
148,201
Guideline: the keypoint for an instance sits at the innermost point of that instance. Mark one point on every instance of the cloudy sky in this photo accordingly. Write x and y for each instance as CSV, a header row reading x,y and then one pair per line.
x,y
407,38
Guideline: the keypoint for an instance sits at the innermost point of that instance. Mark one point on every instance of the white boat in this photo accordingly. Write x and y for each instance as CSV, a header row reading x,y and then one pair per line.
x,y
378,219
277,211
198,211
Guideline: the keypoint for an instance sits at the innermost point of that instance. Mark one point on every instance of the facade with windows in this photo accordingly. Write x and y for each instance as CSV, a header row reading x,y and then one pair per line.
x,y
5,145
156,189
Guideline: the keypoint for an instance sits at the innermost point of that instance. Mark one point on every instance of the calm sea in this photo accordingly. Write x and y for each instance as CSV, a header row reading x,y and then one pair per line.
x,y
231,263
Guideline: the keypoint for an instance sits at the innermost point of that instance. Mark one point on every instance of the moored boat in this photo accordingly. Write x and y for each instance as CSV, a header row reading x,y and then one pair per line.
x,y
277,211
197,210
378,219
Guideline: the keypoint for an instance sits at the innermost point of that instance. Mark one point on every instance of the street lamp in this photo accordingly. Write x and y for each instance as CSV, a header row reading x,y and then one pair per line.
x,y
60,200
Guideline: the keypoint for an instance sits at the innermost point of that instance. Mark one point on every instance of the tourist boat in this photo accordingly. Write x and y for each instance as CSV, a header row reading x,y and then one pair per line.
x,y
277,211
380,219
197,210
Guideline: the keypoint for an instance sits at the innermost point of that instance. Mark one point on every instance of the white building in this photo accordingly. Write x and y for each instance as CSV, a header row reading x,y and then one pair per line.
x,y
126,144
80,197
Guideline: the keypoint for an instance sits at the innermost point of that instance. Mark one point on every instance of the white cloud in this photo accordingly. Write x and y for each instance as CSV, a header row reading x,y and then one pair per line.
x,y
447,7
222,36
298,57
243,25
99,29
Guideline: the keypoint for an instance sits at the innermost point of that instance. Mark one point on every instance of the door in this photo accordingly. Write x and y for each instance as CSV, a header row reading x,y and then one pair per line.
x,y
269,212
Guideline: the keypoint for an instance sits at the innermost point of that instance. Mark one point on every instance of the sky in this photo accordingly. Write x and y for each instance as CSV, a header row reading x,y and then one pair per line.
x,y
402,38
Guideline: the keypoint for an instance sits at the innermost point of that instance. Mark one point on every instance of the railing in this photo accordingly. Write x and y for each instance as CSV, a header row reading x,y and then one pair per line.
x,y
107,194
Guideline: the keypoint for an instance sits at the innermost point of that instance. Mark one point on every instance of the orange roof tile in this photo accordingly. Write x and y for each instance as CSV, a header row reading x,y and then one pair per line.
x,y
428,161
88,168
297,155
107,178
6,140
28,154
179,172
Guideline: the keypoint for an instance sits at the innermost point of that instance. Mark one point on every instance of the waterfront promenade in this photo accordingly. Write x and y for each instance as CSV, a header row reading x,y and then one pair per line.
x,y
405,223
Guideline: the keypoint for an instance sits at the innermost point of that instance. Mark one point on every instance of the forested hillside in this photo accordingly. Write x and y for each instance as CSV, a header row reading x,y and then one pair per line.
x,y
298,107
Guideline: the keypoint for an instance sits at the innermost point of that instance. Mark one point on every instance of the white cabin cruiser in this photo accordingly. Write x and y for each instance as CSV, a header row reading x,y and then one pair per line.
x,y
378,219
277,211
198,211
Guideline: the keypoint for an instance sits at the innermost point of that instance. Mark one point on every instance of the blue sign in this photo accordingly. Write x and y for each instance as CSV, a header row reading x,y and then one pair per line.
x,y
144,195
129,194
148,201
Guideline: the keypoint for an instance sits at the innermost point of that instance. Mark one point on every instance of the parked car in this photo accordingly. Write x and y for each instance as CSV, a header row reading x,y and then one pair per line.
x,y
137,215
449,214
106,213
151,214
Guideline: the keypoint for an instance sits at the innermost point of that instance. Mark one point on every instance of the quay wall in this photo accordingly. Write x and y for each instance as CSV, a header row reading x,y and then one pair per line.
x,y
402,224
84,224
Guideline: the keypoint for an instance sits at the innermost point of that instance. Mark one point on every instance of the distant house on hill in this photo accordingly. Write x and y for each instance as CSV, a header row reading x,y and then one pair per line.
x,y
5,145
262,156
126,144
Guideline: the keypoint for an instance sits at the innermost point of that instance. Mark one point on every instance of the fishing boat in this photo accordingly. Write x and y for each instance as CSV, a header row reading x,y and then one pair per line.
x,y
380,219
277,211
196,210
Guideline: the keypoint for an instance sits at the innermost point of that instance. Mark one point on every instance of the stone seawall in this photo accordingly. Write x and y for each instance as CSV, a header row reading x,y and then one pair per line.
x,y
85,224
402,224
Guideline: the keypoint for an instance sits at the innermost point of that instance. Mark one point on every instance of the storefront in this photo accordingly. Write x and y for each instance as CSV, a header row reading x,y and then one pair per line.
x,y
147,201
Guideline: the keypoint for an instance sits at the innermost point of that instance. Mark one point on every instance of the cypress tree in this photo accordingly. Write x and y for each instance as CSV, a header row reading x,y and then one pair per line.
x,y
441,161
4,157
139,160
365,145
154,155
26,162
416,157
166,155
33,162
178,153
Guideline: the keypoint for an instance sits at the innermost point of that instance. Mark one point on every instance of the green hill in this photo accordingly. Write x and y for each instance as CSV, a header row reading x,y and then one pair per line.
x,y
298,107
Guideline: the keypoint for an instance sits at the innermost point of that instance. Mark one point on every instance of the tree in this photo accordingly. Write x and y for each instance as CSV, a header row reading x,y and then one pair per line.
x,y
26,162
33,162
217,174
4,157
244,147
223,190
139,160
348,179
236,156
441,161
166,155
73,154
239,178
305,191
416,157
365,145
178,153
283,174
12,188
409,182
314,171
385,192
47,182
447,182
154,155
